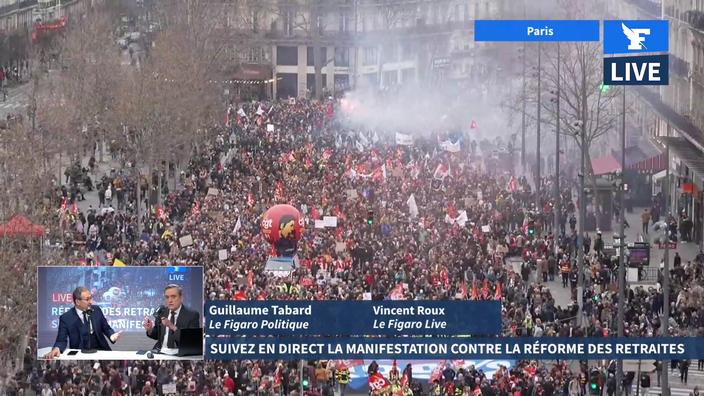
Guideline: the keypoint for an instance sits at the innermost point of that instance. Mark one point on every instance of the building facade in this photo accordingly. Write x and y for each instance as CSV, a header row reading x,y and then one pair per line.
x,y
379,43
673,115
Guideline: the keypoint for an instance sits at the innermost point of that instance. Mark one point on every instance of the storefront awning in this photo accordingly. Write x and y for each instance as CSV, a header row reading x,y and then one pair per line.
x,y
687,152
681,123
250,72
659,176
605,164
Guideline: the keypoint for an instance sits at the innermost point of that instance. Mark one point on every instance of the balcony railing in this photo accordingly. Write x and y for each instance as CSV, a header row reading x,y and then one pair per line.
x,y
6,9
650,6
679,66
695,18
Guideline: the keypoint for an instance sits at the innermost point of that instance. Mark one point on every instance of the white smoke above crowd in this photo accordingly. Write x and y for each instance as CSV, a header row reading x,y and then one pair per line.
x,y
421,110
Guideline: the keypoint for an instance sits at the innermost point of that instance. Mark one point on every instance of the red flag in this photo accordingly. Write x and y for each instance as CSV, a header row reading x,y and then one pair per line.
x,y
512,185
497,292
279,191
342,364
240,296
463,291
261,296
441,172
473,125
306,282
404,380
485,289
250,199
377,382
338,234
451,211
75,208
475,293
437,372
327,153
314,214
195,210
277,377
397,293
64,205
250,279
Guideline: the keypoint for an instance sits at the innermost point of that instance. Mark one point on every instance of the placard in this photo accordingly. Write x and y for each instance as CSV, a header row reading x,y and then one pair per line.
x,y
270,127
222,254
330,221
185,241
320,224
352,195
213,191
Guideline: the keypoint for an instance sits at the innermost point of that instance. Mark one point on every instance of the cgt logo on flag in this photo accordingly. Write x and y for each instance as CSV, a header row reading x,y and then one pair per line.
x,y
629,37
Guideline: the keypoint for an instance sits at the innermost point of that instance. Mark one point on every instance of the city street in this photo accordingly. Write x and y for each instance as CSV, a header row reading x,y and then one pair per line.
x,y
16,101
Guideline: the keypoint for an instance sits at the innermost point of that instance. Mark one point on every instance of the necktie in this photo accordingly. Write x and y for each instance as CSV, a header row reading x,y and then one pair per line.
x,y
171,343
86,322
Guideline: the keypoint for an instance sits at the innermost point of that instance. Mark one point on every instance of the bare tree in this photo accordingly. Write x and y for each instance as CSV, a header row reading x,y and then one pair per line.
x,y
166,106
580,94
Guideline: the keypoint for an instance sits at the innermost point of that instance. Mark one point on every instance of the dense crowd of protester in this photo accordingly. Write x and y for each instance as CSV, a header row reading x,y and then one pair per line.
x,y
413,222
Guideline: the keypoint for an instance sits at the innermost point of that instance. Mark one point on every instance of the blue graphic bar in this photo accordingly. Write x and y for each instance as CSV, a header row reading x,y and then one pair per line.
x,y
536,30
637,70
352,318
273,348
632,37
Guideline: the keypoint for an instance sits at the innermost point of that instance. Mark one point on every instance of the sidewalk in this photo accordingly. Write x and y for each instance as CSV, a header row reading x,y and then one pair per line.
x,y
687,250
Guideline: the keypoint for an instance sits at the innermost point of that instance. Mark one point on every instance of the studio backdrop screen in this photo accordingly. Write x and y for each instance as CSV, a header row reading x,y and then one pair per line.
x,y
125,295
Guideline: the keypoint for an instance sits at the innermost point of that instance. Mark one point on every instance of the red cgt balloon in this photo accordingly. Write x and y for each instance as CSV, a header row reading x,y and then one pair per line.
x,y
282,226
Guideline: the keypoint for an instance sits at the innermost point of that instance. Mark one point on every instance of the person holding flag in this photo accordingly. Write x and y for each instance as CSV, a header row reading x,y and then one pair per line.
x,y
343,378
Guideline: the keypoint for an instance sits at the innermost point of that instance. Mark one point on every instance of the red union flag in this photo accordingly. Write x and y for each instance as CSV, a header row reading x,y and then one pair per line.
x,y
342,364
377,382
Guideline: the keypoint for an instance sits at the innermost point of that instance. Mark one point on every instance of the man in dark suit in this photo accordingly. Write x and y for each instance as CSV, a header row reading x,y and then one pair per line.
x,y
84,326
167,329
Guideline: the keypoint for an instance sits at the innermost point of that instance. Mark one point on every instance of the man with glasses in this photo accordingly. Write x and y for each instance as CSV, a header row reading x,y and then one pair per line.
x,y
83,327
173,317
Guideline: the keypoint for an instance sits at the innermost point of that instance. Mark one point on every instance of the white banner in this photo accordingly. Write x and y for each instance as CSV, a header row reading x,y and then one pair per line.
x,y
412,206
330,221
450,146
403,139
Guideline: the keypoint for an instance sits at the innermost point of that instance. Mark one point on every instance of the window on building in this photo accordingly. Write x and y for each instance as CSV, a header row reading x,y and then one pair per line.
x,y
288,22
344,21
254,21
342,56
286,56
370,56
389,53
310,59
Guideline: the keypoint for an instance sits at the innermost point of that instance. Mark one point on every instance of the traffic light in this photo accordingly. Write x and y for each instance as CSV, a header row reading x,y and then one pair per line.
x,y
531,229
306,383
594,388
370,217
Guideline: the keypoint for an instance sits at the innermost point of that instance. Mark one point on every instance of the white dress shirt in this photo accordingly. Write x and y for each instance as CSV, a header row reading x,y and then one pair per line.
x,y
165,342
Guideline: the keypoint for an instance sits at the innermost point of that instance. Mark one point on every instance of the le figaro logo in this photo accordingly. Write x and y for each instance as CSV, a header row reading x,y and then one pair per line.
x,y
628,37
635,36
